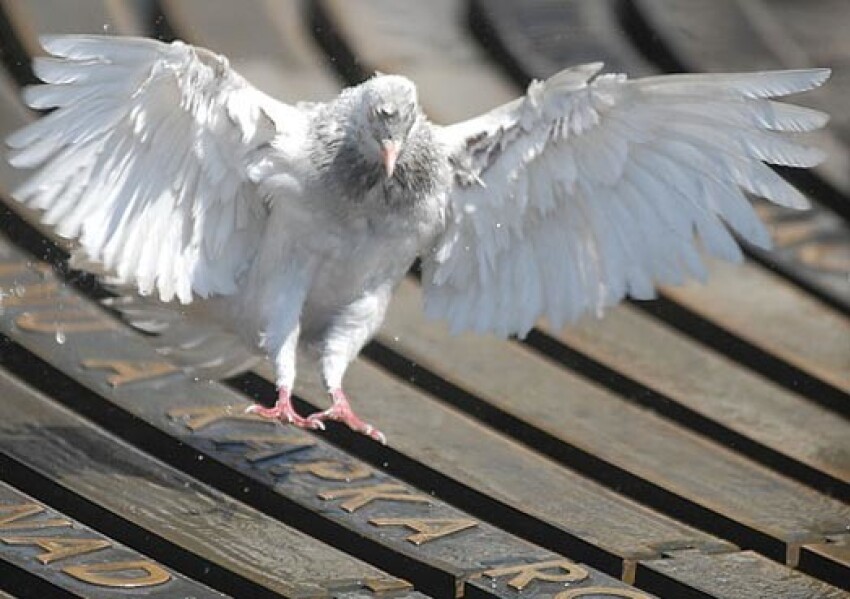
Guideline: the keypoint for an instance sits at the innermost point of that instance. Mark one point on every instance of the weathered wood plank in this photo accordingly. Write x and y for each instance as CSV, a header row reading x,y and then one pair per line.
x,y
776,318
72,556
170,504
720,572
738,399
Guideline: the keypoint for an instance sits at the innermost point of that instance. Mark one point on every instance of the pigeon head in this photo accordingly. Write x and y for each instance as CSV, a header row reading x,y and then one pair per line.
x,y
389,111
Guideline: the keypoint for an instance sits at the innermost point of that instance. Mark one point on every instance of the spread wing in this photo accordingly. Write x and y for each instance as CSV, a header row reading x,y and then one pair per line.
x,y
591,188
153,157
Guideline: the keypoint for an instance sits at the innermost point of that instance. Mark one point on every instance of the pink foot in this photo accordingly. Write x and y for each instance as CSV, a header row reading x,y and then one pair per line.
x,y
285,412
341,412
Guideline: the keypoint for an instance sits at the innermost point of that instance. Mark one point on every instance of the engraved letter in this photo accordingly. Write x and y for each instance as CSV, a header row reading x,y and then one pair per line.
x,y
427,529
129,371
125,575
59,548
551,571
11,516
364,495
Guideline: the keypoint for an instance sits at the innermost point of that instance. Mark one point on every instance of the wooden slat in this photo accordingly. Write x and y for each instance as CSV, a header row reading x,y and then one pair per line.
x,y
742,401
71,556
170,504
779,319
720,572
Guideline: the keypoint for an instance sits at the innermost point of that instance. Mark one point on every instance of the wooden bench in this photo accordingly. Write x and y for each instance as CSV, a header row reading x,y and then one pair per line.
x,y
631,457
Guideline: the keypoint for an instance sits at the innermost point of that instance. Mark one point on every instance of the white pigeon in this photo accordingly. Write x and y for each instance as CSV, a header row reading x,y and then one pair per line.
x,y
292,224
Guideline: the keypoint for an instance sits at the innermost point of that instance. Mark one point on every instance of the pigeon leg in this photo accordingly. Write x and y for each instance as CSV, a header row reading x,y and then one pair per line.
x,y
341,411
284,411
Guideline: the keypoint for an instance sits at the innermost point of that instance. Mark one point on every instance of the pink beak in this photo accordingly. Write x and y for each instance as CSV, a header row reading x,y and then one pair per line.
x,y
389,155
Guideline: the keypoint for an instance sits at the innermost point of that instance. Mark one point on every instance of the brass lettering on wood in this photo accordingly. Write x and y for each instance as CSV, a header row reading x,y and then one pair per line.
x,y
827,255
334,470
200,417
59,548
36,294
549,571
17,517
264,447
601,592
275,448
65,321
427,529
362,496
130,371
124,575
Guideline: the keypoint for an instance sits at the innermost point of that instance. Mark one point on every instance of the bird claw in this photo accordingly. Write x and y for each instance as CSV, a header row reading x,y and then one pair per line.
x,y
341,412
285,412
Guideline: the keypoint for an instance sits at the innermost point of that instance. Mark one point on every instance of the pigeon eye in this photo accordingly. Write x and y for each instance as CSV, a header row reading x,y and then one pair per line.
x,y
386,110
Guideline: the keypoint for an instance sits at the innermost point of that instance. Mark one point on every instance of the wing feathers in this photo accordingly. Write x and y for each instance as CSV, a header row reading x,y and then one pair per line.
x,y
146,158
589,190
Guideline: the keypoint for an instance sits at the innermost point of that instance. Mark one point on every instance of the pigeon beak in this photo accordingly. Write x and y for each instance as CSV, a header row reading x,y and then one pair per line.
x,y
389,155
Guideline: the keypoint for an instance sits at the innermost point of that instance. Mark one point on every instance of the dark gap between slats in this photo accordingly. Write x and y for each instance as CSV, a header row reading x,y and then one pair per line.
x,y
25,585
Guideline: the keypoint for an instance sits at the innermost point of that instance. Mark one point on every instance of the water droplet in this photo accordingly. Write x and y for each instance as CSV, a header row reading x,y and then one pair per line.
x,y
60,336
